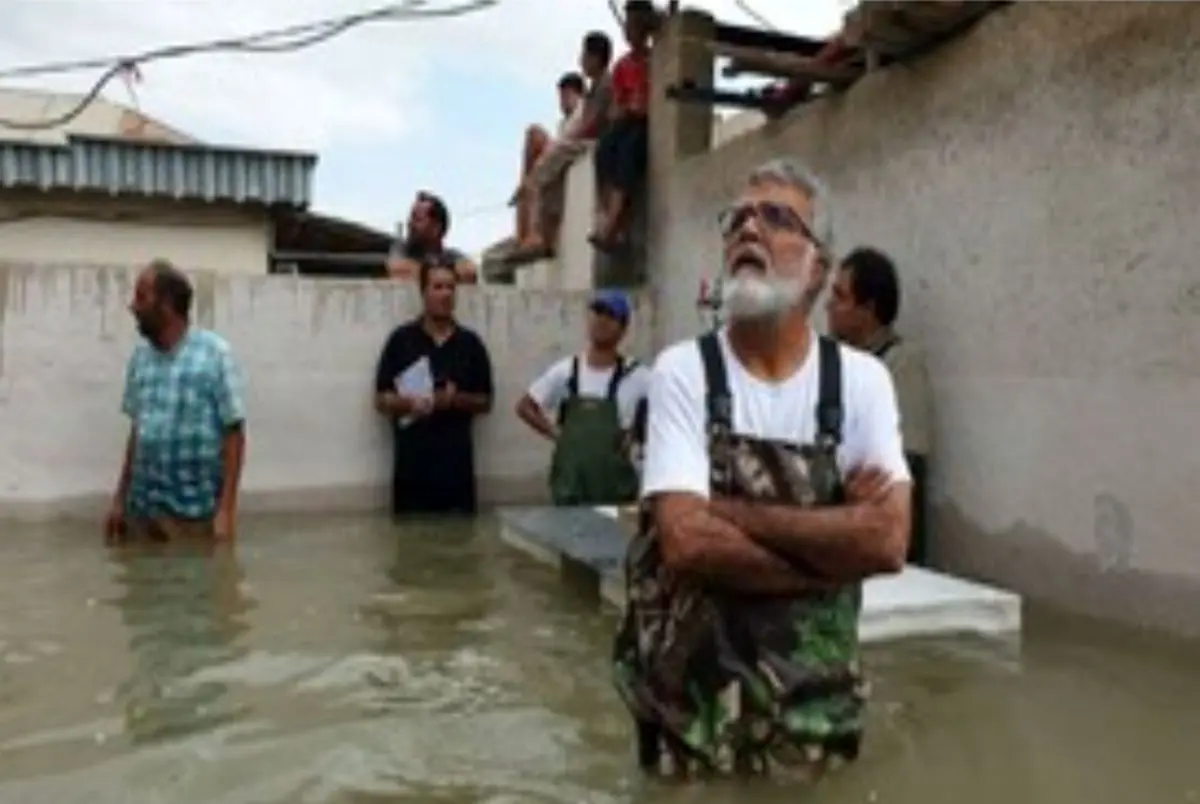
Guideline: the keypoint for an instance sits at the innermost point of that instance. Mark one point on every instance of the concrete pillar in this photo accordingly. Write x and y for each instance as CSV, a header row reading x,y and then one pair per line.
x,y
575,253
682,53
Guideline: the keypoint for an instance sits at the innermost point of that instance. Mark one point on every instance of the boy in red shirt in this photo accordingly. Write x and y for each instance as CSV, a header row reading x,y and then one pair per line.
x,y
620,158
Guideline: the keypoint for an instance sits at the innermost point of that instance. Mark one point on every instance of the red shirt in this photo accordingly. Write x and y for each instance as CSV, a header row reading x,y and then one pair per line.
x,y
631,82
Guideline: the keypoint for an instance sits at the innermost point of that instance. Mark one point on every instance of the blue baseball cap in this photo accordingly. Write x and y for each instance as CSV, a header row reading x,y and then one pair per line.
x,y
612,303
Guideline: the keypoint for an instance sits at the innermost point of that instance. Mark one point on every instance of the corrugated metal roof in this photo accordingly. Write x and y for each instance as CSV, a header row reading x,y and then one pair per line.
x,y
182,172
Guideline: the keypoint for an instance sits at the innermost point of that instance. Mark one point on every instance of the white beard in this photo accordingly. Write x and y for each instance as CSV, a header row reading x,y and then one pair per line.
x,y
751,297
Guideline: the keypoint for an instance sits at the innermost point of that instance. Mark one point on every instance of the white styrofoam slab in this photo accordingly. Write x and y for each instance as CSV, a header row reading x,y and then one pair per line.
x,y
920,602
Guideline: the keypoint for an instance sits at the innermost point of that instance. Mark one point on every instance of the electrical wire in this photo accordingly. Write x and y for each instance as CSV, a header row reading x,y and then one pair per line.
x,y
616,12
754,15
308,34
294,37
486,209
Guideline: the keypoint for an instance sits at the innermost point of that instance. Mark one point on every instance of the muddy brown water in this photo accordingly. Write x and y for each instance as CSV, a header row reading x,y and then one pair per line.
x,y
351,660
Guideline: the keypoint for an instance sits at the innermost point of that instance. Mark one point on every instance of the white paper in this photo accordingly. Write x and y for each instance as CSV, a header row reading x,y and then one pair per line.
x,y
416,380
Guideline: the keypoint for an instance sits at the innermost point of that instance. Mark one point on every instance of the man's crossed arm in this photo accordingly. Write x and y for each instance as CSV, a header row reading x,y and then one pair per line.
x,y
868,536
776,549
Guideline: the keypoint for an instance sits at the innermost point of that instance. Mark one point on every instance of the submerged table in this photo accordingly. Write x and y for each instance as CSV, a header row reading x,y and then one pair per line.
x,y
587,547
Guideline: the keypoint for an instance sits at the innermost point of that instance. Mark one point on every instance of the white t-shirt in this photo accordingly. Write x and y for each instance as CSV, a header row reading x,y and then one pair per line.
x,y
676,455
550,389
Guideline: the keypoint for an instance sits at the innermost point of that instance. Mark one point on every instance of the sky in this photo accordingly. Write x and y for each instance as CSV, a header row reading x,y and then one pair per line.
x,y
390,108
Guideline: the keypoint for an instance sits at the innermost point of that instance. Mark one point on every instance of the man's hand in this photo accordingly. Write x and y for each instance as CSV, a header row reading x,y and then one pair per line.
x,y
443,398
114,523
391,403
224,524
421,406
867,484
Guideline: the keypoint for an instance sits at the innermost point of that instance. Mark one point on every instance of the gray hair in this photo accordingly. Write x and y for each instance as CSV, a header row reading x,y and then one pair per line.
x,y
794,174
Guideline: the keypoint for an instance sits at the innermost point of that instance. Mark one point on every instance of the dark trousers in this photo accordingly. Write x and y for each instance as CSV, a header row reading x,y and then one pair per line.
x,y
918,546
621,154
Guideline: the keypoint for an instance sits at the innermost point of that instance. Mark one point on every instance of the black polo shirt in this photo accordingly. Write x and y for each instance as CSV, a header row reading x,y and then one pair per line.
x,y
434,467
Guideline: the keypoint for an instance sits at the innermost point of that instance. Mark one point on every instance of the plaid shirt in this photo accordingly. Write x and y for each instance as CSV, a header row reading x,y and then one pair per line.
x,y
181,404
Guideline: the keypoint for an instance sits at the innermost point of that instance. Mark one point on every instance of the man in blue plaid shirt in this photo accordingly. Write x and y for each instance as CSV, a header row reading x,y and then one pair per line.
x,y
183,395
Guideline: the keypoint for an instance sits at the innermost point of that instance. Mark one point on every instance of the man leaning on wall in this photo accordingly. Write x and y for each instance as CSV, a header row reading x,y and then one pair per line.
x,y
863,305
424,243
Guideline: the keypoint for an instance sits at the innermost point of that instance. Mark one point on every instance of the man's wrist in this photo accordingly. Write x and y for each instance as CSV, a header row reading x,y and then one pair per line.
x,y
728,509
405,404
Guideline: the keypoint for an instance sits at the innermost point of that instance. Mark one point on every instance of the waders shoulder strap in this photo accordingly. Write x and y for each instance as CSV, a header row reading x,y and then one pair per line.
x,y
829,399
720,401
572,390
621,371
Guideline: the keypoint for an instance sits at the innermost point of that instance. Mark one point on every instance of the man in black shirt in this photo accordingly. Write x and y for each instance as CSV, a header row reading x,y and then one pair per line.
x,y
434,470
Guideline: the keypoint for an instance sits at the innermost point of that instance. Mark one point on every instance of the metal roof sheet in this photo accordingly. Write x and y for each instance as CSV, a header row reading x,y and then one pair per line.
x,y
183,172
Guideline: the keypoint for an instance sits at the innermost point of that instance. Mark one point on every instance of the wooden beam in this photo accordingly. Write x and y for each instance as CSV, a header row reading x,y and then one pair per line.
x,y
773,105
711,96
784,65
922,13
892,26
876,29
740,36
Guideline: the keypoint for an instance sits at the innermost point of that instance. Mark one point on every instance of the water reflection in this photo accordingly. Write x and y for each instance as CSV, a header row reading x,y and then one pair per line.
x,y
426,662
437,592
185,611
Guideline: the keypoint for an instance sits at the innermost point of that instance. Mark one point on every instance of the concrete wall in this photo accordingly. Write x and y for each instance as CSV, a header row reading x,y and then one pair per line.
x,y
308,348
228,249
44,229
1036,182
730,126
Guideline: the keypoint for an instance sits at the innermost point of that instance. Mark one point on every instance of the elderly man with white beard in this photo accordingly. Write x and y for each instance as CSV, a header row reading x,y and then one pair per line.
x,y
774,482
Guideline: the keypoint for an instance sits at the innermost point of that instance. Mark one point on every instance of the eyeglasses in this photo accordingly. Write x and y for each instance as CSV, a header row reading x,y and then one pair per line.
x,y
775,216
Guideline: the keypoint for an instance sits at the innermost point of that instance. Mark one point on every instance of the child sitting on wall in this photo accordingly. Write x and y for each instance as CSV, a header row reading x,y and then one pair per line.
x,y
621,151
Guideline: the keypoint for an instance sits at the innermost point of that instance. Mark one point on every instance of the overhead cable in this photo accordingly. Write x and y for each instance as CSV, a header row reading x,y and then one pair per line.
x,y
279,40
754,15
616,12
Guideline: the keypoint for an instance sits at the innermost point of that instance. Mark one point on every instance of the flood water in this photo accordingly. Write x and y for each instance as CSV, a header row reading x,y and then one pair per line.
x,y
351,660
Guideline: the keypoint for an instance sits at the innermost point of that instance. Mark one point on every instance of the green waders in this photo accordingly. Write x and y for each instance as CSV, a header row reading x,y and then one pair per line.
x,y
591,464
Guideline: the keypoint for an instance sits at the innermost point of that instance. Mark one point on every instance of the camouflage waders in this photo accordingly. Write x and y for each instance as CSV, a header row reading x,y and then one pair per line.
x,y
720,682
